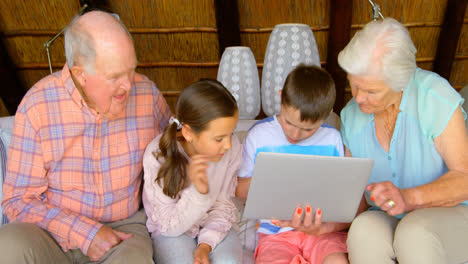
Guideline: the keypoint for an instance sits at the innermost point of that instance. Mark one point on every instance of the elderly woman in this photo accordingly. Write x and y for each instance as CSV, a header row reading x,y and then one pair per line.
x,y
410,121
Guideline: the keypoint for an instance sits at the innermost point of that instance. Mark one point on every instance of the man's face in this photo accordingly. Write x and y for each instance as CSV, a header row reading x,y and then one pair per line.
x,y
294,129
108,88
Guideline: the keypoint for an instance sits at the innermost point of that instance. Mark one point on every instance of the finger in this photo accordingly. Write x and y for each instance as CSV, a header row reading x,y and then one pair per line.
x,y
318,217
280,223
382,199
297,217
200,158
376,193
308,216
370,187
96,255
122,235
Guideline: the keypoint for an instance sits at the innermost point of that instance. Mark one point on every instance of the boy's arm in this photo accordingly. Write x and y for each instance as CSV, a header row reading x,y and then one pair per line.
x,y
245,172
243,185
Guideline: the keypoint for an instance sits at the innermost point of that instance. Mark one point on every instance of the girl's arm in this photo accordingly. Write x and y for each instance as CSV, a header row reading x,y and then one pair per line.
x,y
224,213
167,216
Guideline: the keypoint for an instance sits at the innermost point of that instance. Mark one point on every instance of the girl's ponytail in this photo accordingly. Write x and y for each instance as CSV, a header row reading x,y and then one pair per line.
x,y
171,175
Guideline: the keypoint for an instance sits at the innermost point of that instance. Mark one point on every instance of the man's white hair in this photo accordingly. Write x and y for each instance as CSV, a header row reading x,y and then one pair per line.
x,y
80,46
382,49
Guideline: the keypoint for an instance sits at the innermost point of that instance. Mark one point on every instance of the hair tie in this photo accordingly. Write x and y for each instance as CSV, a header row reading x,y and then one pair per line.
x,y
175,120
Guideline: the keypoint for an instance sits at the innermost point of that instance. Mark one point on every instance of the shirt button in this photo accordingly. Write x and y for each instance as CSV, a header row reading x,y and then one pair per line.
x,y
393,175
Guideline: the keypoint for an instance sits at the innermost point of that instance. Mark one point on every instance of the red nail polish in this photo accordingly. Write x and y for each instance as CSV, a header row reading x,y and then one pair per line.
x,y
372,198
308,209
319,211
299,210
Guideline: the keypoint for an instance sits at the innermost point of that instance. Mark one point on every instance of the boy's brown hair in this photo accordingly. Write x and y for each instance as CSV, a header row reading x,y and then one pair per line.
x,y
311,90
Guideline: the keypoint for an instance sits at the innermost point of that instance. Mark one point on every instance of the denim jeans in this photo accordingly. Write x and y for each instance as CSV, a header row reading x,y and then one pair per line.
x,y
169,250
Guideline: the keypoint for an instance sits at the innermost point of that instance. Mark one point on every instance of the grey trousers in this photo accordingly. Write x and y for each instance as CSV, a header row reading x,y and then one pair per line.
x,y
433,235
169,250
28,243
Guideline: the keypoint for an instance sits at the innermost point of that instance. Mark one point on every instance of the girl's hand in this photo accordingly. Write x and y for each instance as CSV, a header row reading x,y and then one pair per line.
x,y
310,225
201,255
197,172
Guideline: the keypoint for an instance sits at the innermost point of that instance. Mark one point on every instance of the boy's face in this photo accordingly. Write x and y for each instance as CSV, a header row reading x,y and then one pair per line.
x,y
294,129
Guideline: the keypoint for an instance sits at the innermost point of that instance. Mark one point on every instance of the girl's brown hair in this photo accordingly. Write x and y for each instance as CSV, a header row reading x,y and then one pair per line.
x,y
198,105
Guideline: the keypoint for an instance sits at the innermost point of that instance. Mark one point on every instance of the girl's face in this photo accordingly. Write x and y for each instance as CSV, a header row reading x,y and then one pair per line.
x,y
215,140
371,94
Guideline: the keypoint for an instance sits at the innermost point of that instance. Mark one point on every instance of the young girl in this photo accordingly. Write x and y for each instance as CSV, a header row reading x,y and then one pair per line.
x,y
190,177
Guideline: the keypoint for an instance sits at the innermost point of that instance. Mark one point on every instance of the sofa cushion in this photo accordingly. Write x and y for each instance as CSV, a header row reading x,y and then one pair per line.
x,y
6,126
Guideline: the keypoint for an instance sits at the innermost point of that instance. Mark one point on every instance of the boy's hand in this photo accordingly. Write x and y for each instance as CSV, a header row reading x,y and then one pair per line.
x,y
310,225
197,172
201,255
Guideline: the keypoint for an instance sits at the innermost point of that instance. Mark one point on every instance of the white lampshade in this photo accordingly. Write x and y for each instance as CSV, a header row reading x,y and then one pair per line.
x,y
288,46
239,74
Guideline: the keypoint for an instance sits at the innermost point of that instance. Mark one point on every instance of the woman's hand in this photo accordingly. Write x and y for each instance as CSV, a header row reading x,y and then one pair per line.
x,y
201,255
197,172
310,225
388,197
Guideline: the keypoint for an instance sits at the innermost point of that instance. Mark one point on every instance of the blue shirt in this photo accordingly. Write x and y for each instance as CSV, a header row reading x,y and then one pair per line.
x,y
427,104
267,136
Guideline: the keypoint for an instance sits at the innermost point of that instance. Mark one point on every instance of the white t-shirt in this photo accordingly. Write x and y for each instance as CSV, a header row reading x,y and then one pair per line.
x,y
267,136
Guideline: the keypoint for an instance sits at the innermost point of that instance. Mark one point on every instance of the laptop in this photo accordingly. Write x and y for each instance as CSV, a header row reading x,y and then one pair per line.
x,y
280,182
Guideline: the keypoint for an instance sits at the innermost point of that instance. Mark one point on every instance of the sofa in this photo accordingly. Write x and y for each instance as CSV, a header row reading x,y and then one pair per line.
x,y
6,125
247,233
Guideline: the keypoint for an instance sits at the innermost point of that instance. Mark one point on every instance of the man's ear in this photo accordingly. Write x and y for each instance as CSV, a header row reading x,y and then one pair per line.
x,y
187,133
80,74
280,91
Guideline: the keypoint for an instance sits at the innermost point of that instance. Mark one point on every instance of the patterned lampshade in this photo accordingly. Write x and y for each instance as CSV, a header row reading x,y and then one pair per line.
x,y
288,46
239,74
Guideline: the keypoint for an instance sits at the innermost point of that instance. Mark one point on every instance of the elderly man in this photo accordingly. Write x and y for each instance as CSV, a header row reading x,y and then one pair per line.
x,y
74,168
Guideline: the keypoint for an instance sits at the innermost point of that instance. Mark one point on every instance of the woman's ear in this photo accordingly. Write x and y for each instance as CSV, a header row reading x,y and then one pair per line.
x,y
187,133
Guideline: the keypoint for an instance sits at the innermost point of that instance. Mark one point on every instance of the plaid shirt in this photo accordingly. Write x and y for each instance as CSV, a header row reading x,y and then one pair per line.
x,y
69,168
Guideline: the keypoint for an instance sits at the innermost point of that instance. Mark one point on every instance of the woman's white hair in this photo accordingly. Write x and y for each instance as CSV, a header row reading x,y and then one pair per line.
x,y
382,49
79,46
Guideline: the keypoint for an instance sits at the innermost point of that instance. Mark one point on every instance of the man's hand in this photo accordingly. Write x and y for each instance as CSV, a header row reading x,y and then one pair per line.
x,y
201,255
105,239
197,172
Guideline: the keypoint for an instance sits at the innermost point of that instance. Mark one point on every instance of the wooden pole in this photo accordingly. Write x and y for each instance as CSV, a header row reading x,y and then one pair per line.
x,y
449,36
227,21
13,88
339,35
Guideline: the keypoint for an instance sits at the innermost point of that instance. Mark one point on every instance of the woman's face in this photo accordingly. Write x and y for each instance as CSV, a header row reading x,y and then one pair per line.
x,y
371,94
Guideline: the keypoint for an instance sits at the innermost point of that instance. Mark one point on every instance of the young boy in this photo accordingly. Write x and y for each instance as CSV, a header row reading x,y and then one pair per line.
x,y
307,99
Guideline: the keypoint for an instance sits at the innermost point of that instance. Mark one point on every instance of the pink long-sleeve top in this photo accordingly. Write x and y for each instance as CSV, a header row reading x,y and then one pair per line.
x,y
209,216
